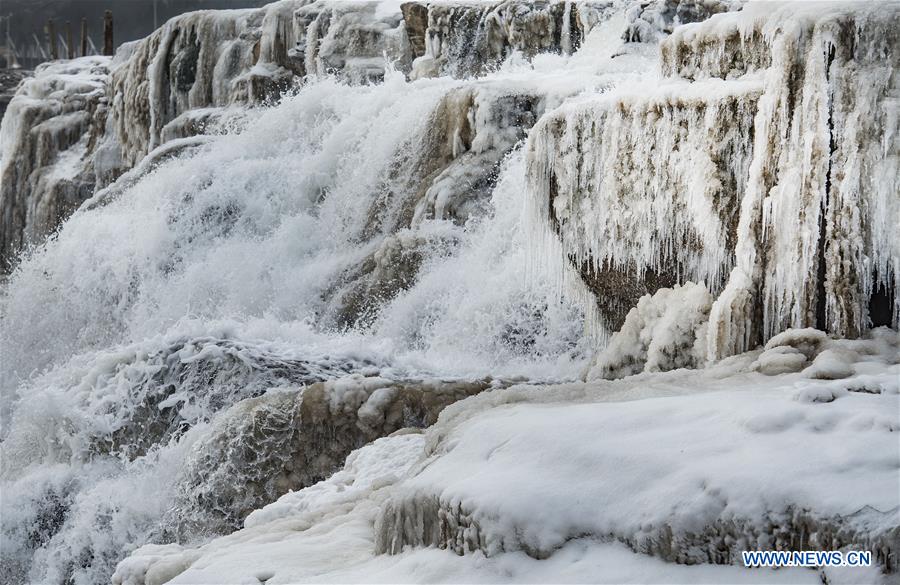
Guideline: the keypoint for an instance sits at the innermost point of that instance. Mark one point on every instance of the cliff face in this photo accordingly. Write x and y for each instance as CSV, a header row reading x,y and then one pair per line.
x,y
757,168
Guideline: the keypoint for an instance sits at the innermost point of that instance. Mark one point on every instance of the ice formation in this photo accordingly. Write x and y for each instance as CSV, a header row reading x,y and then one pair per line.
x,y
764,164
315,224
663,332
46,138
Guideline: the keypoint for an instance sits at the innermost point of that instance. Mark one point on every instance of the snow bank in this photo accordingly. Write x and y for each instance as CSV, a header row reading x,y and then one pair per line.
x,y
688,478
690,466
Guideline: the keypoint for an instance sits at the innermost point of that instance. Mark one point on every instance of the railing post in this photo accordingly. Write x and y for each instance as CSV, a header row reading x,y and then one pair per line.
x,y
84,37
51,33
70,47
108,33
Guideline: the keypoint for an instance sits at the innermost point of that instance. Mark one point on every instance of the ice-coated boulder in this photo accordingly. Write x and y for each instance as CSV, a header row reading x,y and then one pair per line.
x,y
290,439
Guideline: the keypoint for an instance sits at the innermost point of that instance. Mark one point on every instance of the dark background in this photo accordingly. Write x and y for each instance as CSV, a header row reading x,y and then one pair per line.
x,y
133,19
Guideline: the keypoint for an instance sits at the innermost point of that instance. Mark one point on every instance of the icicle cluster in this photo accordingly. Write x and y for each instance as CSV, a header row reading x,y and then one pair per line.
x,y
642,186
764,164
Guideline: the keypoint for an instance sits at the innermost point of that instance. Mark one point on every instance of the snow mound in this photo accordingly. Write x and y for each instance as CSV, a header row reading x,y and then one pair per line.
x,y
692,479
659,334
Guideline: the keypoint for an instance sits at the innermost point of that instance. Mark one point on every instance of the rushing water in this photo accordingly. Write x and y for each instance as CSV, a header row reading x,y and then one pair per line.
x,y
232,269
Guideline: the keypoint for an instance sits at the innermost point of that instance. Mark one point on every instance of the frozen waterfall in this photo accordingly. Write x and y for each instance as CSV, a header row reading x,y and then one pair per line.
x,y
260,243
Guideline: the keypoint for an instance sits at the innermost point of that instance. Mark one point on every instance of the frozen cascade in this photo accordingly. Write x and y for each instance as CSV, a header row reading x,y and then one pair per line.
x,y
308,226
189,76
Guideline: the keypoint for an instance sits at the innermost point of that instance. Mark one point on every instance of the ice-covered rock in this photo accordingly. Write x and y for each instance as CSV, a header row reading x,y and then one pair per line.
x,y
642,186
47,137
814,243
764,164
287,440
821,357
197,60
663,332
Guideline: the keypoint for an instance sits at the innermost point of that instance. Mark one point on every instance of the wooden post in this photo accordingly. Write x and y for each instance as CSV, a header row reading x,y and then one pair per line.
x,y
70,46
84,37
108,33
51,32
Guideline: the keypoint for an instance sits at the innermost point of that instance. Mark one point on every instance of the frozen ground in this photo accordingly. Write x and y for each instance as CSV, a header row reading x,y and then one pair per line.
x,y
692,466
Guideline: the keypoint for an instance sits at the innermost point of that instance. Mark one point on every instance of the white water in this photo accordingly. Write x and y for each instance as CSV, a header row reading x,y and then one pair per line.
x,y
235,237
